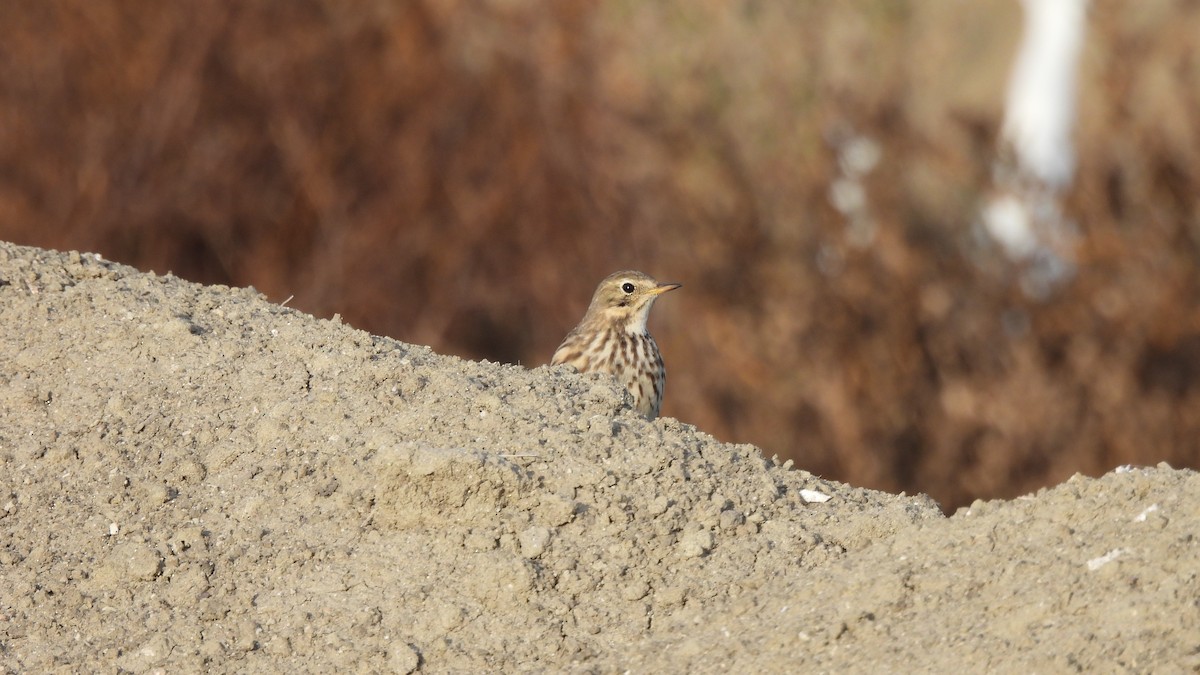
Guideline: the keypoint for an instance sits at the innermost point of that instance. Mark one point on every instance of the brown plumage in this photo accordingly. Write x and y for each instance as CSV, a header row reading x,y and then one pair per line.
x,y
612,338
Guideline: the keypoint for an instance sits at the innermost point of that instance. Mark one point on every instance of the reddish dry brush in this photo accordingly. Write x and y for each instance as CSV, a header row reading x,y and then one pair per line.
x,y
462,174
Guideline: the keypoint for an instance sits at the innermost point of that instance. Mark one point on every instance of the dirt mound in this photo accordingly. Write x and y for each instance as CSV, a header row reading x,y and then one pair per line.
x,y
192,478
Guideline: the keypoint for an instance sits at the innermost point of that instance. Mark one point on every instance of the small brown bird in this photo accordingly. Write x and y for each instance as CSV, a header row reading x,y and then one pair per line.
x,y
612,338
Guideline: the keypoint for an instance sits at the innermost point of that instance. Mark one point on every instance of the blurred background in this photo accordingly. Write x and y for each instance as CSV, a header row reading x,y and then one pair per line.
x,y
462,173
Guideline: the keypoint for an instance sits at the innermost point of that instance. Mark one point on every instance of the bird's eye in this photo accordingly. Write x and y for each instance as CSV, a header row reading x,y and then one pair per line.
x,y
627,287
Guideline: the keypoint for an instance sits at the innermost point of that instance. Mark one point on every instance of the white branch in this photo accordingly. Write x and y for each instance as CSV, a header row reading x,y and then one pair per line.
x,y
1040,115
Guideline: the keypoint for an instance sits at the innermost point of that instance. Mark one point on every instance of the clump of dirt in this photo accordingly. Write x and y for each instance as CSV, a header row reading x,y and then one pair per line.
x,y
193,478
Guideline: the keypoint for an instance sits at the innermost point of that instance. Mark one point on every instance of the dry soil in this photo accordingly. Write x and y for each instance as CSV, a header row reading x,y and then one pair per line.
x,y
193,478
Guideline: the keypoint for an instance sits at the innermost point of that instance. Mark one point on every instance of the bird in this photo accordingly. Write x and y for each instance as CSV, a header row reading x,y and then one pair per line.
x,y
612,338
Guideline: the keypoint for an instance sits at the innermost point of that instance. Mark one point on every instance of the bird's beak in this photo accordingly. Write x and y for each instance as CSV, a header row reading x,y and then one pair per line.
x,y
663,288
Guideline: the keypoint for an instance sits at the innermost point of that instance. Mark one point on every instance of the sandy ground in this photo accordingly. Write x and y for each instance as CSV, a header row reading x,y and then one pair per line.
x,y
193,478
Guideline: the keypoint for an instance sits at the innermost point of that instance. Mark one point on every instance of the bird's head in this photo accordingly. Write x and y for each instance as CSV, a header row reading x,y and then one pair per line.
x,y
625,298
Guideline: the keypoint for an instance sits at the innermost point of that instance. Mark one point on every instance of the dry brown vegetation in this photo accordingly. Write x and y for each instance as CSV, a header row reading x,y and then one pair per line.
x,y
460,174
